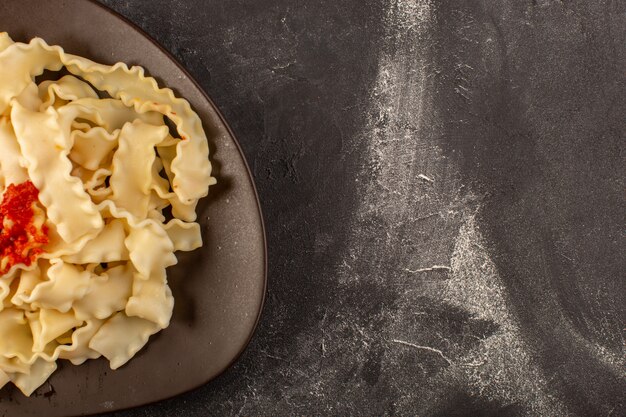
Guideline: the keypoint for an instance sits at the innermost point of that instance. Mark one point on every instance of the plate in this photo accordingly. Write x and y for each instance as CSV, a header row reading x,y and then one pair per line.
x,y
219,289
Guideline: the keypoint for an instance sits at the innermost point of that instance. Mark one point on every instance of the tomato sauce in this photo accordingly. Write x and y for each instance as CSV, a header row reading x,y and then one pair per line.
x,y
21,240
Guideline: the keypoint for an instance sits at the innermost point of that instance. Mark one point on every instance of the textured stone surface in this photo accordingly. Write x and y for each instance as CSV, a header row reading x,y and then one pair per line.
x,y
442,184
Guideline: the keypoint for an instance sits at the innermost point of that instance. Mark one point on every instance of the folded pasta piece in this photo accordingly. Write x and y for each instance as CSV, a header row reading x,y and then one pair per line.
x,y
96,186
27,282
132,166
66,285
160,186
11,169
47,324
57,247
78,351
121,337
43,146
16,339
184,236
185,211
109,114
13,365
155,208
20,63
107,294
29,98
92,147
39,372
151,250
107,246
151,300
68,88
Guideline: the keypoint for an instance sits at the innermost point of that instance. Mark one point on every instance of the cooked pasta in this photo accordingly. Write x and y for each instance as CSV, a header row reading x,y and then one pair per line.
x,y
89,172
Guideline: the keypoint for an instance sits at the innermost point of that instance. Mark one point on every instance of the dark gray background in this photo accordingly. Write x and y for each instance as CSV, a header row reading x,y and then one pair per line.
x,y
386,137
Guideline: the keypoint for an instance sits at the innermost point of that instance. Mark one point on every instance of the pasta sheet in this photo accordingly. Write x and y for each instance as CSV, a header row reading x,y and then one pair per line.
x,y
106,170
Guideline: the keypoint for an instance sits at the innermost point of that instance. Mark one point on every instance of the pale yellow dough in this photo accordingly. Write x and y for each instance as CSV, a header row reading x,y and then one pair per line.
x,y
105,169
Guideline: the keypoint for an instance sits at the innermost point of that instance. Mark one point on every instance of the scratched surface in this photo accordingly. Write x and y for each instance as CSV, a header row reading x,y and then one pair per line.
x,y
442,184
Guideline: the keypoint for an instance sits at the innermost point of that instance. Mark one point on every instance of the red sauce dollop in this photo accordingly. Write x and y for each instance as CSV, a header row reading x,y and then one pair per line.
x,y
20,239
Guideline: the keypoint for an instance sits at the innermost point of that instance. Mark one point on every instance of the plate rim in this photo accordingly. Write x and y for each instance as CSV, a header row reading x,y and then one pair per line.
x,y
255,192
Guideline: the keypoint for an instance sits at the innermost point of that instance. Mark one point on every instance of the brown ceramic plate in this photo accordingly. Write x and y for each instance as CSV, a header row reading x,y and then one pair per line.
x,y
219,289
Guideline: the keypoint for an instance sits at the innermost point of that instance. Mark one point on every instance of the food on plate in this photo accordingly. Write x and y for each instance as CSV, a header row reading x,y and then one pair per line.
x,y
101,171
